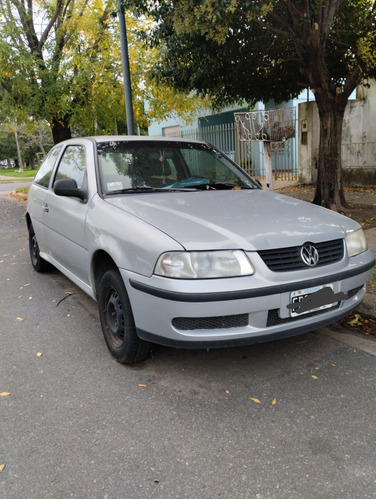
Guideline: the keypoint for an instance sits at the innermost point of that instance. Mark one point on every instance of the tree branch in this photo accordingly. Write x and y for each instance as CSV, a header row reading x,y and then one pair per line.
x,y
49,26
352,81
26,18
327,15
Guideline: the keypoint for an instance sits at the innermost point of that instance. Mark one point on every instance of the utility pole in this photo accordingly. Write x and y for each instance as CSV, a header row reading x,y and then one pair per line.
x,y
126,71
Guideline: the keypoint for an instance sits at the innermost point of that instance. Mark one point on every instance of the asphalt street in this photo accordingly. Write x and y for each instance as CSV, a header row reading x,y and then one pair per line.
x,y
12,186
74,423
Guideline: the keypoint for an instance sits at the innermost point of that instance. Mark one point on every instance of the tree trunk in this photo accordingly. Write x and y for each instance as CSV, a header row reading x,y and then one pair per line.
x,y
20,164
329,187
40,142
60,129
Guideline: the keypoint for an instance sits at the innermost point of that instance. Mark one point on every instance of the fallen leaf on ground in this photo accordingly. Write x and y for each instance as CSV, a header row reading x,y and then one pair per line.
x,y
20,319
356,321
142,385
5,393
39,354
314,376
255,400
365,323
2,467
274,402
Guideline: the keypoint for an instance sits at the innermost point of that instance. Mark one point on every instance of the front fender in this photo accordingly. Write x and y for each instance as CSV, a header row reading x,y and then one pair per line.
x,y
132,243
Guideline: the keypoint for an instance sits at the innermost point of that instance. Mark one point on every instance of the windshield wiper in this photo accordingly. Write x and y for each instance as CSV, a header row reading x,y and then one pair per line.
x,y
200,183
137,189
217,186
147,189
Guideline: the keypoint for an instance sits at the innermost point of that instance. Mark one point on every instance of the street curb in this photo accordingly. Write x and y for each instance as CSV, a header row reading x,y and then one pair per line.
x,y
368,306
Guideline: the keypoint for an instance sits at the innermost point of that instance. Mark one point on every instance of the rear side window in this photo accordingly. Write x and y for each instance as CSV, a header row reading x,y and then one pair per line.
x,y
43,175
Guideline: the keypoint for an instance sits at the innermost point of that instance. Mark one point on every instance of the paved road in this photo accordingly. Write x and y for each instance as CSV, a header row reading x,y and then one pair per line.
x,y
182,424
12,186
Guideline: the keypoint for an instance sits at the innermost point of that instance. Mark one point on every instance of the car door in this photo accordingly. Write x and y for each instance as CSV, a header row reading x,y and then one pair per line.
x,y
65,216
37,197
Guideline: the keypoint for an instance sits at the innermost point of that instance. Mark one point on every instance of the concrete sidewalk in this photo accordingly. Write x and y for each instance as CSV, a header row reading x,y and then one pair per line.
x,y
7,178
371,239
368,306
366,196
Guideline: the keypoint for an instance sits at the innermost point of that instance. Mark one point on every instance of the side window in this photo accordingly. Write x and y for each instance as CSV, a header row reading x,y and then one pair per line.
x,y
73,165
43,175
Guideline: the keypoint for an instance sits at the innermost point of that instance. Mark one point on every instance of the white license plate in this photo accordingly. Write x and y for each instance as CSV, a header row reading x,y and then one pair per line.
x,y
307,300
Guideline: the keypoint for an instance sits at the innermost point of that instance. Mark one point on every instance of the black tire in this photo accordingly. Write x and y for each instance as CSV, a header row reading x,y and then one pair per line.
x,y
117,321
40,265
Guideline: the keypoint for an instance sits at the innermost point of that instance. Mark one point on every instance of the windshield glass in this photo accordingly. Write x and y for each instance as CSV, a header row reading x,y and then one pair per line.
x,y
155,165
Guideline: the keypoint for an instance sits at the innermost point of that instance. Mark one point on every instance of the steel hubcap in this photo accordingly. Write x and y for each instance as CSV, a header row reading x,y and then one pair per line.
x,y
34,248
115,318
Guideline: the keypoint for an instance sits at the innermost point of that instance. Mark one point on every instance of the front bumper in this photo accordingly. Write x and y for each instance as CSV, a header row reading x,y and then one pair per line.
x,y
239,311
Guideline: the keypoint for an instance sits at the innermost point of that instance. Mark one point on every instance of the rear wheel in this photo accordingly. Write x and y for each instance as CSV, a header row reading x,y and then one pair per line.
x,y
39,264
117,320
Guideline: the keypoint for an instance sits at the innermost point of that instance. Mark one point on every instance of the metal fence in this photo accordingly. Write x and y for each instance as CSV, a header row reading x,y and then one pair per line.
x,y
248,154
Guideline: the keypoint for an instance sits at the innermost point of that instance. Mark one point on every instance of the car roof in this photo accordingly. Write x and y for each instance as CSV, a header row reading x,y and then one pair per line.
x,y
101,139
143,138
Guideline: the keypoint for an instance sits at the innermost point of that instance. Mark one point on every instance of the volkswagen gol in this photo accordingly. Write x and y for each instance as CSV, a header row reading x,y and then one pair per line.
x,y
180,247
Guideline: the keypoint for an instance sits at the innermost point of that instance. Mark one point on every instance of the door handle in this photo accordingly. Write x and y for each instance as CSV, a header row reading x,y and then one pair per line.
x,y
45,208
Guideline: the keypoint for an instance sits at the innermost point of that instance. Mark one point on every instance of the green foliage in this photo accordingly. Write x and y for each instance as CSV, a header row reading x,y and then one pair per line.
x,y
8,148
60,62
66,70
35,140
237,50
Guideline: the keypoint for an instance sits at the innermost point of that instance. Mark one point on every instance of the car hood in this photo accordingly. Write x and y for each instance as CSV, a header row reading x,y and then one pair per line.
x,y
244,219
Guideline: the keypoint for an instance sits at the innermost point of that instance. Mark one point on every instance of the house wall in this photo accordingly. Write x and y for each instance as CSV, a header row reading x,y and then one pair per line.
x,y
358,140
207,118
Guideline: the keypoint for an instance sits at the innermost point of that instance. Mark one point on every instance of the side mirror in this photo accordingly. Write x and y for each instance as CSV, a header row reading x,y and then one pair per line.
x,y
68,187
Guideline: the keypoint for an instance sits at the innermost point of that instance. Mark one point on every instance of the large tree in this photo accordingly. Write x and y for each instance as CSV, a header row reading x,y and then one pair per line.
x,y
253,50
48,55
60,62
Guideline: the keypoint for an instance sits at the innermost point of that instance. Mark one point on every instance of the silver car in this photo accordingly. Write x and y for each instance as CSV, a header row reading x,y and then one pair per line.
x,y
180,247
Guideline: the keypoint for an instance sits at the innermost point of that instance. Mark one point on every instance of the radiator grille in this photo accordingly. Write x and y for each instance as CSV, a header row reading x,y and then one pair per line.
x,y
288,259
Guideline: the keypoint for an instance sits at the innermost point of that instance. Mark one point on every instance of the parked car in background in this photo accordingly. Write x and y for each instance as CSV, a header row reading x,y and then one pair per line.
x,y
179,246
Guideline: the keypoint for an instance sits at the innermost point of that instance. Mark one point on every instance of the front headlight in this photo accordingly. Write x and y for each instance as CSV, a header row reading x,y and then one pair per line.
x,y
203,265
356,242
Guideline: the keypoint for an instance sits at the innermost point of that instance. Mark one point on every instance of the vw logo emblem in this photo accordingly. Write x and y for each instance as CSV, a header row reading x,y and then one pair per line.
x,y
309,255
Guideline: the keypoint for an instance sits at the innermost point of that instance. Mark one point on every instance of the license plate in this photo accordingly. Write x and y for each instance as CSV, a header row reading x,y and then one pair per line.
x,y
312,299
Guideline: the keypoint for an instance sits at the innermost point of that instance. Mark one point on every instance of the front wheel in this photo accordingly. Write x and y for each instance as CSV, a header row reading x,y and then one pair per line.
x,y
117,320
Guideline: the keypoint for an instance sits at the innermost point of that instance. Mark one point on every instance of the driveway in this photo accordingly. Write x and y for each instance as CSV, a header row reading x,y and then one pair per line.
x,y
287,419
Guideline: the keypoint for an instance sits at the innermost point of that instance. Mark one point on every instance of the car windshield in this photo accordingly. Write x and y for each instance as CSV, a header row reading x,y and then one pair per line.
x,y
147,166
